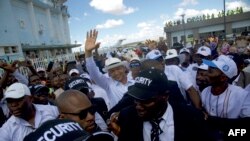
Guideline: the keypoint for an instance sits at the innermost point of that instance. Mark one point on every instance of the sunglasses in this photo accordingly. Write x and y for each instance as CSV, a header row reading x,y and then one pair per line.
x,y
83,113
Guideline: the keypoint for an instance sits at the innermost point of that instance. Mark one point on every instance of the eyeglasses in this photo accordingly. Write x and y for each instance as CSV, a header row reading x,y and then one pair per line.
x,y
83,113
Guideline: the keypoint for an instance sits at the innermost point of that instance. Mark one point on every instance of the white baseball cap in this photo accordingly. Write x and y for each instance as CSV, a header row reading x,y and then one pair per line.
x,y
184,50
203,67
16,90
113,62
154,54
225,64
40,69
203,50
73,71
171,53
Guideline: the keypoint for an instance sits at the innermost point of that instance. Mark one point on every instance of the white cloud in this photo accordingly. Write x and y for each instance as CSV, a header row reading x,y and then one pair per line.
x,y
85,14
115,7
233,5
188,2
189,13
147,30
110,24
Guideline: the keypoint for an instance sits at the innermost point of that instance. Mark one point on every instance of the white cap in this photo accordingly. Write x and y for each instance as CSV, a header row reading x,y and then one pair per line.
x,y
73,71
113,62
225,64
171,53
154,54
184,50
16,90
40,69
203,50
203,67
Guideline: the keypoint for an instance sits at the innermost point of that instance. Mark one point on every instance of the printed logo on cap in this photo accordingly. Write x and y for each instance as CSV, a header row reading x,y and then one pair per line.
x,y
225,68
170,53
203,49
157,53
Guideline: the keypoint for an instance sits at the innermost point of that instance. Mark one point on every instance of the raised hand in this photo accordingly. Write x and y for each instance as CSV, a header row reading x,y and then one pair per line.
x,y
90,43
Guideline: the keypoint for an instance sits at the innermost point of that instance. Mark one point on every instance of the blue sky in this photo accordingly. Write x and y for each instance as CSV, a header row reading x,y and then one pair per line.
x,y
135,20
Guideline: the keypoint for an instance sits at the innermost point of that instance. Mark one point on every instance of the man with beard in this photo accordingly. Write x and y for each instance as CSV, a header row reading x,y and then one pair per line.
x,y
26,117
153,118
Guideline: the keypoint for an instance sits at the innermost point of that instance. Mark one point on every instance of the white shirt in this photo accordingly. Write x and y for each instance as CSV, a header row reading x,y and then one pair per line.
x,y
15,129
234,102
100,92
167,126
115,90
174,73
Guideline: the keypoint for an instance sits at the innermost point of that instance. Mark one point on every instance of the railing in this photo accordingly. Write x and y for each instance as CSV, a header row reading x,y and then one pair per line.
x,y
43,62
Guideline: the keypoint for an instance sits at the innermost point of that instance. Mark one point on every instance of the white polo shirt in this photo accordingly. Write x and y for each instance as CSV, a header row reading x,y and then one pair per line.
x,y
175,73
166,125
234,102
15,129
115,90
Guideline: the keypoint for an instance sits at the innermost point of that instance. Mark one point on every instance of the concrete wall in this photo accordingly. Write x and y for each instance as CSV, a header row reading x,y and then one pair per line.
x,y
33,23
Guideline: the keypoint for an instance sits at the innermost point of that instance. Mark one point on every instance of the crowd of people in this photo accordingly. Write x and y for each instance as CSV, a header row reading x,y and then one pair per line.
x,y
198,92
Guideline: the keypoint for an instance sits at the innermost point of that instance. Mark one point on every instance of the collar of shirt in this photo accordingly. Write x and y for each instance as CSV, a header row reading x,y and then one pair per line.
x,y
167,118
129,82
38,118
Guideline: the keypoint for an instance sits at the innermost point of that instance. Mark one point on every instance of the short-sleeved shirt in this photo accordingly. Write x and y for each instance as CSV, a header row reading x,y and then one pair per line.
x,y
15,129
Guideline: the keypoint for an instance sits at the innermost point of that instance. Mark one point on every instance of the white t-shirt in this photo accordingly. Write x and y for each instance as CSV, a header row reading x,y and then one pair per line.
x,y
175,73
234,102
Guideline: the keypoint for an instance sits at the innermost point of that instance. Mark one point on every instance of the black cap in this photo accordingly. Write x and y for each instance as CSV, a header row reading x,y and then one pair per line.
x,y
77,83
58,130
148,84
38,89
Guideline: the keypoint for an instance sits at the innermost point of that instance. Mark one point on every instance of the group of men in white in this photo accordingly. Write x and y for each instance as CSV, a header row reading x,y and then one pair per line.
x,y
219,98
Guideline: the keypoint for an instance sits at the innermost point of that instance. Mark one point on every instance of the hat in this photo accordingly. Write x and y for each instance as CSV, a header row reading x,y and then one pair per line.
x,y
16,90
225,64
154,54
37,89
73,71
171,53
203,67
40,69
112,63
203,50
77,83
134,62
58,130
184,50
148,84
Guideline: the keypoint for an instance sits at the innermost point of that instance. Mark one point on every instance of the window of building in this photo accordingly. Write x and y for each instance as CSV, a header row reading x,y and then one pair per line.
x,y
6,50
175,39
14,49
239,30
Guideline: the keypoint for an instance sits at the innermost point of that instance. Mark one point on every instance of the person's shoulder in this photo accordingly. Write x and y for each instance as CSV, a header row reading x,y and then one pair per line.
x,y
238,90
47,108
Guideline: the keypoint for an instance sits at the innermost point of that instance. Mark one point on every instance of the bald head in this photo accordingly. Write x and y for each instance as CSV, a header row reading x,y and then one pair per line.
x,y
71,100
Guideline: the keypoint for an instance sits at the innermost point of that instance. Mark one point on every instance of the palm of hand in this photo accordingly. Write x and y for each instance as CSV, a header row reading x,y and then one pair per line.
x,y
90,42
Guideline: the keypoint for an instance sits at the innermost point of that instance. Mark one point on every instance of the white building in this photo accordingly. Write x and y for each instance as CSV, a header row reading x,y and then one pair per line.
x,y
234,24
34,28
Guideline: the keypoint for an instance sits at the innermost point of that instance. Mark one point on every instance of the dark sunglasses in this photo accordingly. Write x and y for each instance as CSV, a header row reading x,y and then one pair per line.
x,y
83,113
